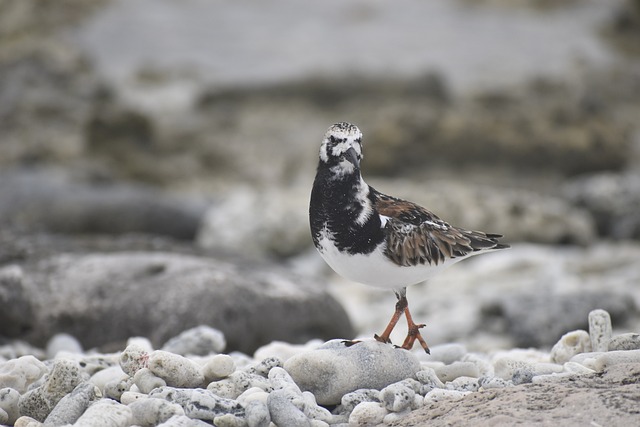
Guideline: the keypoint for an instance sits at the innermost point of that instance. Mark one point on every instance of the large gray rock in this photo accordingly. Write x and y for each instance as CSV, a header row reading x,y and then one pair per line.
x,y
335,369
104,298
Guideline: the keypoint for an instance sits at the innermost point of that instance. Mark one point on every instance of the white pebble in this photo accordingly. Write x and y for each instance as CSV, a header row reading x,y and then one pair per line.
x,y
280,379
428,376
486,383
397,397
147,381
115,388
257,413
25,421
283,350
183,421
615,358
463,384
367,414
438,395
4,417
9,398
106,413
254,393
393,417
151,412
20,373
201,340
457,369
600,330
224,388
283,412
176,370
71,406
552,378
577,368
113,373
128,397
447,353
587,360
312,410
133,358
62,342
218,367
570,344
485,368
143,343
628,341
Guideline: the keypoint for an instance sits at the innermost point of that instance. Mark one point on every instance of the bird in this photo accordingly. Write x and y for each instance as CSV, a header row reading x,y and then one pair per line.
x,y
379,240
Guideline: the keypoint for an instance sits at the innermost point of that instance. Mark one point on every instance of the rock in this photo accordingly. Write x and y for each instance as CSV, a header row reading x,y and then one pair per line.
x,y
62,342
447,353
429,377
9,403
610,358
457,369
218,367
133,358
114,389
627,341
350,400
397,397
265,365
183,421
464,384
199,403
199,341
176,370
57,201
128,397
73,405
600,330
283,412
313,411
280,379
487,383
540,319
67,292
334,369
20,373
612,199
147,381
106,413
151,412
367,414
570,344
63,378
439,395
113,373
25,421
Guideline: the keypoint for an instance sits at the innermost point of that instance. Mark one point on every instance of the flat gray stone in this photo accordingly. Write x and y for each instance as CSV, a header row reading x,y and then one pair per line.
x,y
335,369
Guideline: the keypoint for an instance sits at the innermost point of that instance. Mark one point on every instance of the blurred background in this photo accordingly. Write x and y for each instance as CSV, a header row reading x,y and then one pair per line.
x,y
193,126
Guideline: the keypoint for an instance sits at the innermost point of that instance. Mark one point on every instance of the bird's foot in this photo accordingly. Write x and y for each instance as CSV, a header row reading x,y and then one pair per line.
x,y
412,335
382,339
349,343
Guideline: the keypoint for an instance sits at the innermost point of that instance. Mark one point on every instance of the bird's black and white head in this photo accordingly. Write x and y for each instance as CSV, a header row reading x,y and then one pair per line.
x,y
341,149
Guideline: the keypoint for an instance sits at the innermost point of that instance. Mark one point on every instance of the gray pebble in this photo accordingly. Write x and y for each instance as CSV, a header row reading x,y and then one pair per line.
x,y
115,388
224,388
20,373
335,369
71,406
428,377
570,344
281,379
113,373
183,421
312,410
522,376
176,370
464,384
628,341
457,369
9,398
199,403
150,412
64,377
397,397
105,413
62,343
200,341
265,365
600,330
283,412
4,417
147,381
257,414
493,382
353,399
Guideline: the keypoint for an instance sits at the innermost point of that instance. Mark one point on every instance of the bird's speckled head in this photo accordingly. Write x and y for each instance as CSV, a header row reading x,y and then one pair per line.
x,y
342,147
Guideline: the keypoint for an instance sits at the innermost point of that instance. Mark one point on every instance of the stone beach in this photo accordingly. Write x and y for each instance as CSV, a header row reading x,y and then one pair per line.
x,y
357,384
156,160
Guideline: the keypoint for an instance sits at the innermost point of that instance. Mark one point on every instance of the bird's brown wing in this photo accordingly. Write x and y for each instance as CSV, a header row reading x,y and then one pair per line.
x,y
417,236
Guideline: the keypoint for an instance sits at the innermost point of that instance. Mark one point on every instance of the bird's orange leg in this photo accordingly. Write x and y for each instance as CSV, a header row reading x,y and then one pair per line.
x,y
401,306
414,333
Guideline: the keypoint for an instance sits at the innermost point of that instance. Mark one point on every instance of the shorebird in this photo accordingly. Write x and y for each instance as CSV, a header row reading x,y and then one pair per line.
x,y
379,240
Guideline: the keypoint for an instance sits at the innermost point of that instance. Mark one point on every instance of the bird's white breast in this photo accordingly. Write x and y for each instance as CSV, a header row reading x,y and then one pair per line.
x,y
374,268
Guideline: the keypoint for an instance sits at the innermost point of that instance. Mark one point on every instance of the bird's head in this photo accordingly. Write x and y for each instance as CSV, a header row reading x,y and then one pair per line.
x,y
341,148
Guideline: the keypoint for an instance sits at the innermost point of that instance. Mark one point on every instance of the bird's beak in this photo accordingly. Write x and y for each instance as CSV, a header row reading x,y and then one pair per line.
x,y
352,157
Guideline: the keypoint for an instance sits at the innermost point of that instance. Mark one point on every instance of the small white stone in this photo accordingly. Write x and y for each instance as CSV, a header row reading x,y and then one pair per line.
x,y
254,393
101,378
600,330
457,369
151,412
611,358
176,370
105,412
183,421
142,343
283,350
133,358
224,388
577,368
438,395
62,342
463,384
218,367
20,373
128,397
397,397
570,344
587,360
25,421
393,417
201,340
283,412
367,414
115,388
147,381
4,417
628,341
447,353
493,382
280,379
485,368
312,410
257,413
428,376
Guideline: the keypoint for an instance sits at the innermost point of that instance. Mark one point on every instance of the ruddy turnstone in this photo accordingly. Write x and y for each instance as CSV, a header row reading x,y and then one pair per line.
x,y
379,240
